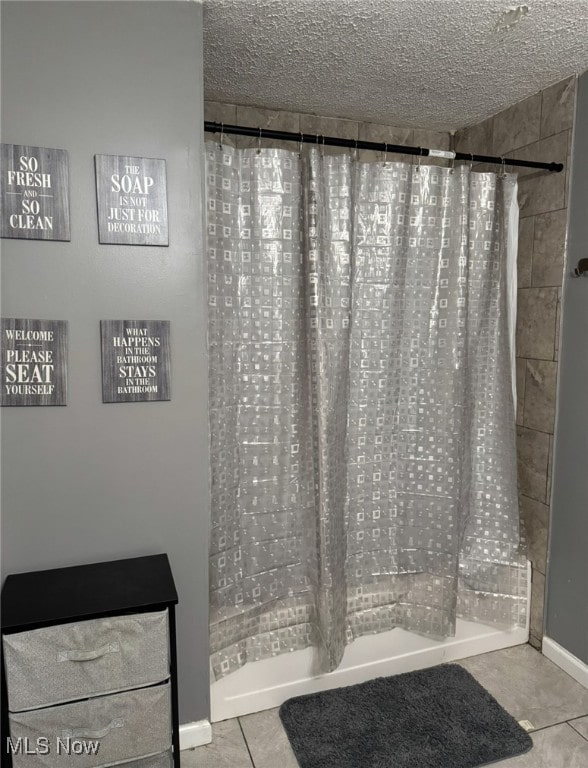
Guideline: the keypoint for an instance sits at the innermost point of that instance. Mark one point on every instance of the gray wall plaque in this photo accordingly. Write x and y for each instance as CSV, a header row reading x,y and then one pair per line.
x,y
132,200
33,366
135,360
34,193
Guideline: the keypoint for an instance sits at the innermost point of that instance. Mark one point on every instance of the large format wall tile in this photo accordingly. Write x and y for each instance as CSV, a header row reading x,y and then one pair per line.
x,y
535,517
552,149
549,245
432,140
537,603
525,251
544,192
330,126
517,126
388,134
541,191
549,469
217,112
540,383
532,454
557,324
557,112
536,322
476,139
267,118
521,370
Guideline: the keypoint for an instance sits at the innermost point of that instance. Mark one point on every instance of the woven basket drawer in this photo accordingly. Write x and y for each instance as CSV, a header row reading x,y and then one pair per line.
x,y
124,726
89,658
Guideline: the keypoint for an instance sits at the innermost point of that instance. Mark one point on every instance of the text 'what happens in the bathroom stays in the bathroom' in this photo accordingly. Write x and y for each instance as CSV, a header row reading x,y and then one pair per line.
x,y
135,360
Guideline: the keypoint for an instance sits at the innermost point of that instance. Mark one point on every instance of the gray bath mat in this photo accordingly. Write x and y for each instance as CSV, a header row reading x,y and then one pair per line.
x,y
433,718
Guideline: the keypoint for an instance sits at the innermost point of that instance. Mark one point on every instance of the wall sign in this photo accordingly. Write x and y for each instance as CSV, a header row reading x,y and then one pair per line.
x,y
34,192
135,360
33,367
132,200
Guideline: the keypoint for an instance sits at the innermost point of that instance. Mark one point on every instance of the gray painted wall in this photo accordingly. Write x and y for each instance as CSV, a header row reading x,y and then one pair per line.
x,y
567,579
91,482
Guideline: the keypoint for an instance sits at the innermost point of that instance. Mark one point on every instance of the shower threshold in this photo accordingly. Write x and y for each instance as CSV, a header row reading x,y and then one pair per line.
x,y
268,683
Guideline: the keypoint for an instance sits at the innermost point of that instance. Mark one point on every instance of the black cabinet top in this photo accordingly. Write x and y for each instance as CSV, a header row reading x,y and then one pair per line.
x,y
86,591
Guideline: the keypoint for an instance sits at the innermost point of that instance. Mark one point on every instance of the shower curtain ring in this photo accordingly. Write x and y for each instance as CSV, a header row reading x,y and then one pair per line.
x,y
220,144
259,142
323,147
300,145
356,152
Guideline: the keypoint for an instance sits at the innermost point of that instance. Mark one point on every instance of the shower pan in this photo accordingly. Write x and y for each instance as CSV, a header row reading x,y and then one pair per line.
x,y
268,683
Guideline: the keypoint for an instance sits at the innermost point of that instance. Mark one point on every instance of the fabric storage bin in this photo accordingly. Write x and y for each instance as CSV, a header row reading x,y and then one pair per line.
x,y
88,658
124,726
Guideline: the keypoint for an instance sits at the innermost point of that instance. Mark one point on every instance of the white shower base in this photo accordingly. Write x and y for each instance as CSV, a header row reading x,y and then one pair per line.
x,y
266,684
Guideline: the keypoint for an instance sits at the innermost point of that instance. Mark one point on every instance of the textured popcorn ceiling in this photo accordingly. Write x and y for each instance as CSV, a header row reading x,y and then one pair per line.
x,y
438,64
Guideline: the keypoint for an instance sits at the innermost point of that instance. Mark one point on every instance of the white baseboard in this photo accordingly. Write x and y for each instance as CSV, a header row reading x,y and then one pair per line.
x,y
566,661
195,734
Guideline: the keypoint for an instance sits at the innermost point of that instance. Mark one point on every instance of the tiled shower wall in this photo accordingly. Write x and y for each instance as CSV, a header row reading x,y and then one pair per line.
x,y
324,126
537,128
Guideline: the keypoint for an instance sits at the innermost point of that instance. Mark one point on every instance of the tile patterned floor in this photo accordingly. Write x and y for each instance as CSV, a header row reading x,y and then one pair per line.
x,y
528,685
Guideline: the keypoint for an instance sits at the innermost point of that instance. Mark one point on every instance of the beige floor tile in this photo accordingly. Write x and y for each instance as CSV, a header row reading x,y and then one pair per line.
x,y
556,747
529,686
227,750
267,740
581,726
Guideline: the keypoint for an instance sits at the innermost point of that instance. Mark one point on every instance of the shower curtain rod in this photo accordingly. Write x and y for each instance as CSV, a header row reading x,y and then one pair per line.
x,y
333,141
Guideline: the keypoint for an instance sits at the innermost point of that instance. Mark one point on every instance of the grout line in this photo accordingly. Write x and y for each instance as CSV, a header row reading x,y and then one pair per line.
x,y
543,213
524,409
238,719
533,249
551,725
575,730
578,717
541,431
561,722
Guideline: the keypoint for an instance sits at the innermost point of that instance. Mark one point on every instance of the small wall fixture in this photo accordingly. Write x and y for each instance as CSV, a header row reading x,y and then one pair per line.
x,y
581,269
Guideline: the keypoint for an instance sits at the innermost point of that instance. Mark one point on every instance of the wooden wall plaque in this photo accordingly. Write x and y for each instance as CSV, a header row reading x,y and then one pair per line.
x,y
34,193
135,360
132,200
33,364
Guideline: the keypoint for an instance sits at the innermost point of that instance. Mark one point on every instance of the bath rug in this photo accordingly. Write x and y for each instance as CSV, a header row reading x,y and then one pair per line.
x,y
439,717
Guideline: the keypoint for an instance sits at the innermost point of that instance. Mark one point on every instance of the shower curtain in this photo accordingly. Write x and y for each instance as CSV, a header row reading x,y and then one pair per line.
x,y
361,402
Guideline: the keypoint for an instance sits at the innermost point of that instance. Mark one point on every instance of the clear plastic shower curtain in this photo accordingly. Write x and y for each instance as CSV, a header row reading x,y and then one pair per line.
x,y
361,402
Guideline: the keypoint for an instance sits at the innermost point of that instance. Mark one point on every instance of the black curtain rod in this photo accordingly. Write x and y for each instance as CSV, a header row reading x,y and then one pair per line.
x,y
333,141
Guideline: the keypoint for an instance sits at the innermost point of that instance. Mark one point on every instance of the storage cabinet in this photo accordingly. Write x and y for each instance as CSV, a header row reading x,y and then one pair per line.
x,y
89,673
